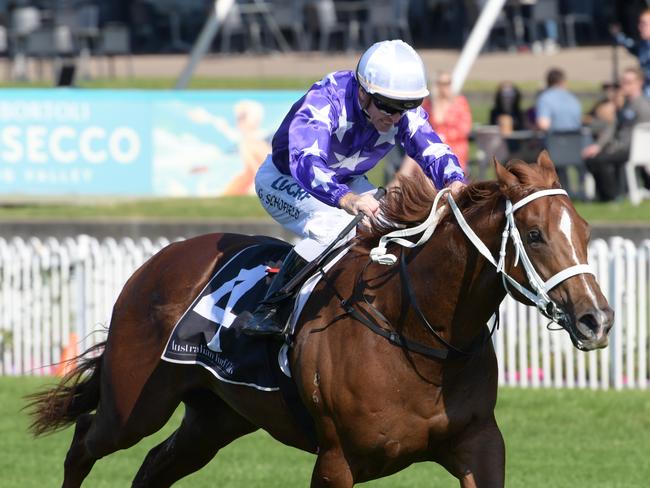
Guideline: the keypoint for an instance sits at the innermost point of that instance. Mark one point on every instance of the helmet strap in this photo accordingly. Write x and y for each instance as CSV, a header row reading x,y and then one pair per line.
x,y
366,104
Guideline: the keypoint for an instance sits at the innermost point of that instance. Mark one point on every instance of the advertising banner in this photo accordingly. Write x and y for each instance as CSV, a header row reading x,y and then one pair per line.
x,y
132,142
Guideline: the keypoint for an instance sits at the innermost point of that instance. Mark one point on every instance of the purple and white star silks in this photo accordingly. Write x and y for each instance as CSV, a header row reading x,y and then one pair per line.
x,y
344,124
348,162
329,78
320,114
437,150
387,137
415,120
326,140
322,178
313,150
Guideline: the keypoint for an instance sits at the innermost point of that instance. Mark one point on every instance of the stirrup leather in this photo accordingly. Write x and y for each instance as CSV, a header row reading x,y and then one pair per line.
x,y
265,321
272,314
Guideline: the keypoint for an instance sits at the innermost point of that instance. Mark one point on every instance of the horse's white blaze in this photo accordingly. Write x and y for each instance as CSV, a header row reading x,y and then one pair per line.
x,y
566,228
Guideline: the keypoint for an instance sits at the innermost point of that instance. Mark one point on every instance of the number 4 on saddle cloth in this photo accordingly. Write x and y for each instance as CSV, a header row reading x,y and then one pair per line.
x,y
236,287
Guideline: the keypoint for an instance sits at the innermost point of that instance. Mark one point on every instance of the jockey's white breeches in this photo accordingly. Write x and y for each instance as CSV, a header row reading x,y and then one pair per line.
x,y
315,222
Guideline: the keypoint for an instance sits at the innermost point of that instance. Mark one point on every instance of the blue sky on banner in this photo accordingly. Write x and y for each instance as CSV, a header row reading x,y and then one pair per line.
x,y
127,142
211,143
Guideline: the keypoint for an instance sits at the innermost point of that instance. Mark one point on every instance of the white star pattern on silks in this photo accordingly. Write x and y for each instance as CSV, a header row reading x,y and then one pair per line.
x,y
436,149
415,122
348,162
330,77
451,169
321,178
313,150
320,114
388,136
344,124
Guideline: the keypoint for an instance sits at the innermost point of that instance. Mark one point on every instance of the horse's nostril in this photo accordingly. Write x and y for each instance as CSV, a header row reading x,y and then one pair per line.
x,y
596,323
588,325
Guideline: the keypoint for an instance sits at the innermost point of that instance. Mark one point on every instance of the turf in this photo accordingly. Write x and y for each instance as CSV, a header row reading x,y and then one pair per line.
x,y
554,438
164,208
245,207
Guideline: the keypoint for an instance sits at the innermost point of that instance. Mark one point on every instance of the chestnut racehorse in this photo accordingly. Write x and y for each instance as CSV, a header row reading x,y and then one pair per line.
x,y
393,362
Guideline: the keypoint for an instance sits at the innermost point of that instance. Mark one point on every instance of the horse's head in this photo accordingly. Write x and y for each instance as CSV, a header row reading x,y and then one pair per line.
x,y
555,240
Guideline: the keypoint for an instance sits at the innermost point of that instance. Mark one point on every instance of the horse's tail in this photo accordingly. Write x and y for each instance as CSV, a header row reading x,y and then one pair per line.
x,y
77,393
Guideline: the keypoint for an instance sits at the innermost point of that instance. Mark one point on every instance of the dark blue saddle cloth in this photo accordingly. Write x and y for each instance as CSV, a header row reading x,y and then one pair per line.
x,y
237,286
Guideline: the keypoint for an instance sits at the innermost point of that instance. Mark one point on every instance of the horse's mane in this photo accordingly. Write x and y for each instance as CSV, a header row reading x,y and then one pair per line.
x,y
409,202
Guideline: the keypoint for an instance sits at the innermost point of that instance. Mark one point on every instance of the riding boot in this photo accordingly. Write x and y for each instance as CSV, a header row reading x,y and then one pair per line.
x,y
271,315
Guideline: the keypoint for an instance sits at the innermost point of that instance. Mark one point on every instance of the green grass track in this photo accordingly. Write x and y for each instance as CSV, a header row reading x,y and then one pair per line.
x,y
245,207
554,439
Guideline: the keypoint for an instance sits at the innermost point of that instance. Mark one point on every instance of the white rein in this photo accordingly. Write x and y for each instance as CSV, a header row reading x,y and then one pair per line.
x,y
540,288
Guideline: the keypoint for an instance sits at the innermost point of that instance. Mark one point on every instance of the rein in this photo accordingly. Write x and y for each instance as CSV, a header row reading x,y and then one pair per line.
x,y
538,295
390,334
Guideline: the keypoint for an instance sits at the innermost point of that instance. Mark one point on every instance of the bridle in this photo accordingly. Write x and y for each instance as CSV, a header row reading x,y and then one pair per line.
x,y
539,288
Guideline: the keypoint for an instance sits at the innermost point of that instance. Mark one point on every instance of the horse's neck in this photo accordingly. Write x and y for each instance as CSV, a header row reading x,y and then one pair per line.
x,y
465,288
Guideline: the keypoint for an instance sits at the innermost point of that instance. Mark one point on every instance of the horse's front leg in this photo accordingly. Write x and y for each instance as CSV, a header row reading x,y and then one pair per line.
x,y
331,470
477,457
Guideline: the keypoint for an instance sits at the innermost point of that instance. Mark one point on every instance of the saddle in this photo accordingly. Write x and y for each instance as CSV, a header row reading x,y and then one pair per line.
x,y
235,288
257,362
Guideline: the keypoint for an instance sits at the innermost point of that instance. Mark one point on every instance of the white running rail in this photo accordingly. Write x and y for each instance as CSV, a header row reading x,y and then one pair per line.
x,y
54,293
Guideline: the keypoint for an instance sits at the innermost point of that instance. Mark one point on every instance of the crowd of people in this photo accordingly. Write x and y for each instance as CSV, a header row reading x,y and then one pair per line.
x,y
606,128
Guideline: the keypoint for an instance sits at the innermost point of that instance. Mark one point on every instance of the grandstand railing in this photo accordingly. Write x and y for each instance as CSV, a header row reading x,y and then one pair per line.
x,y
56,297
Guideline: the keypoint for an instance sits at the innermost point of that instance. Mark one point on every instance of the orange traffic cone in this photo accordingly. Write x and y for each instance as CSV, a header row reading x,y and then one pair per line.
x,y
68,355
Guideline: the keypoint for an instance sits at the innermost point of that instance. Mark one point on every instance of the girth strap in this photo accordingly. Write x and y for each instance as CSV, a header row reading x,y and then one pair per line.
x,y
369,320
392,336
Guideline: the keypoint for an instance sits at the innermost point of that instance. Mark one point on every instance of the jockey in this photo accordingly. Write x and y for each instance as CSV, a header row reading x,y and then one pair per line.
x,y
341,128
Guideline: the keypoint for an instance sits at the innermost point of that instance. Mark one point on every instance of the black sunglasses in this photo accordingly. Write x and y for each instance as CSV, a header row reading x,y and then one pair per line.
x,y
387,109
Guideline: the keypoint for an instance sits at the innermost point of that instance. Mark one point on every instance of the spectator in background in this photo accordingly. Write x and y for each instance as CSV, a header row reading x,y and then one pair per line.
x,y
450,117
557,109
530,114
601,119
525,15
605,158
640,48
506,112
551,32
602,116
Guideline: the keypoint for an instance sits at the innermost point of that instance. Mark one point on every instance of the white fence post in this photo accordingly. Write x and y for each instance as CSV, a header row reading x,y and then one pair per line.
x,y
642,316
617,301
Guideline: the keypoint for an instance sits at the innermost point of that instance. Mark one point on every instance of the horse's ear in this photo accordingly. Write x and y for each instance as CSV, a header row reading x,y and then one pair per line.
x,y
544,161
505,178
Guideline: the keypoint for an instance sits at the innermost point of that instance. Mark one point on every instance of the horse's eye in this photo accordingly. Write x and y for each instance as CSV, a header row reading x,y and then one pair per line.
x,y
534,236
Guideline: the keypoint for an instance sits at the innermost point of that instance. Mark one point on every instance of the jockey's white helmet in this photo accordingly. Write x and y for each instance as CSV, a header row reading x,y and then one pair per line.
x,y
394,72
